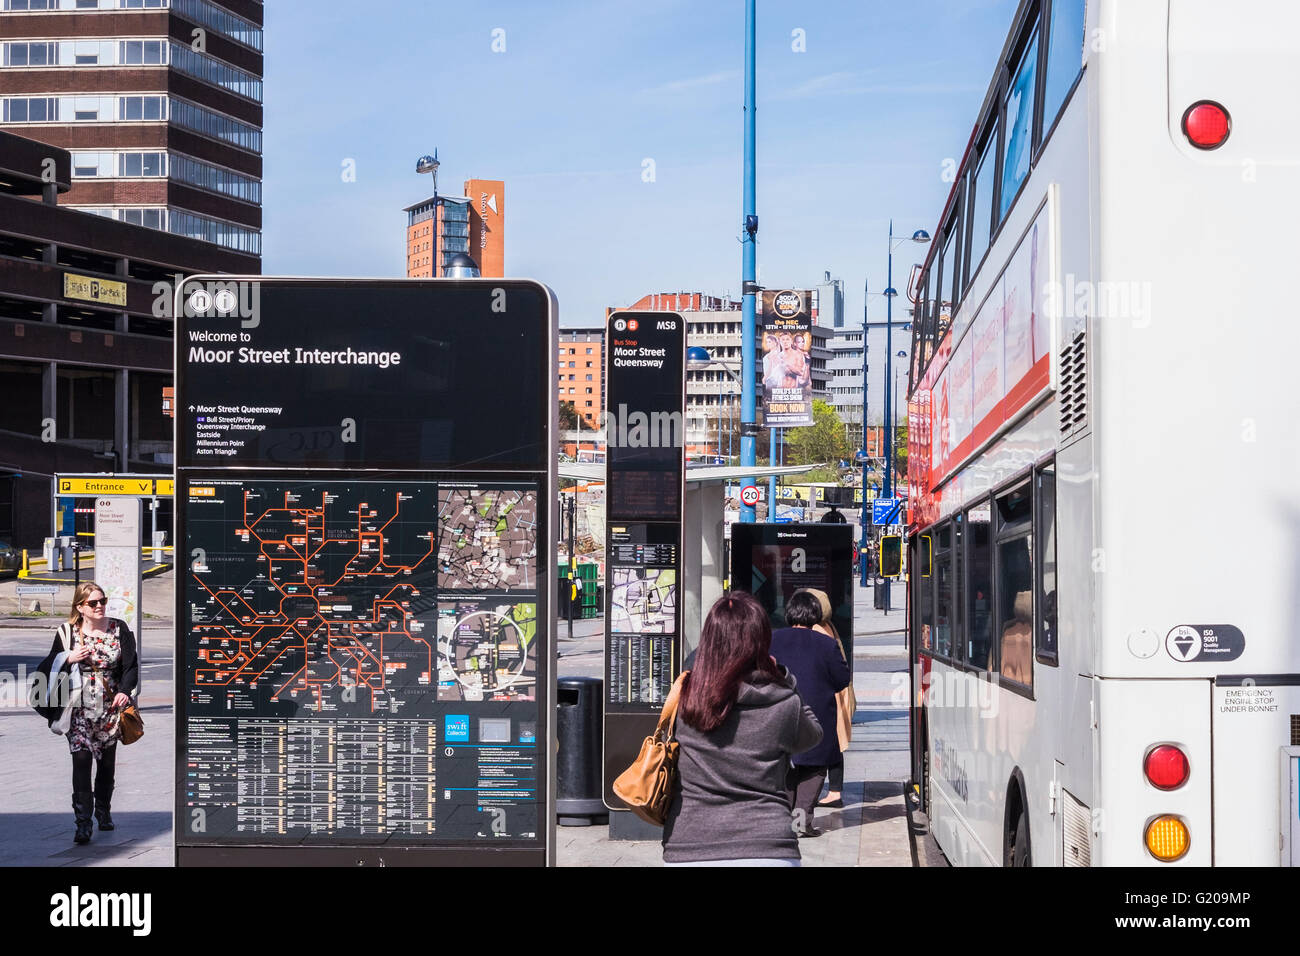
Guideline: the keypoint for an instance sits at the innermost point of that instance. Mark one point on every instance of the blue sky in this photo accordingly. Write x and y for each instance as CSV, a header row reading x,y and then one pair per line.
x,y
851,131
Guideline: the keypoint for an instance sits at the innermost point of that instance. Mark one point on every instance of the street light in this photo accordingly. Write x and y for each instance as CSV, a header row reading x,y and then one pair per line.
x,y
699,359
921,237
748,268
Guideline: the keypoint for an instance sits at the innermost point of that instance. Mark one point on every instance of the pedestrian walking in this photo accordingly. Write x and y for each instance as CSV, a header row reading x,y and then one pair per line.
x,y
102,649
846,705
739,722
821,672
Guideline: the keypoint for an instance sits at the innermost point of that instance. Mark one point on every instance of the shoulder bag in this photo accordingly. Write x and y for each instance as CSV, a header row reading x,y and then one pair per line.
x,y
647,785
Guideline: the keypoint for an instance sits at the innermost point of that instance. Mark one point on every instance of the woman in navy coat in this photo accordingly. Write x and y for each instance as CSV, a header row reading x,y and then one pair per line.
x,y
820,672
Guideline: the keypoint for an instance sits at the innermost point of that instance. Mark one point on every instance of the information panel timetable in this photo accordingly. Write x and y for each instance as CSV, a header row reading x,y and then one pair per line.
x,y
362,661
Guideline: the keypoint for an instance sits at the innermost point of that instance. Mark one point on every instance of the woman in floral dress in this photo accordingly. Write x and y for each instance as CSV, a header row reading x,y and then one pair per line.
x,y
103,649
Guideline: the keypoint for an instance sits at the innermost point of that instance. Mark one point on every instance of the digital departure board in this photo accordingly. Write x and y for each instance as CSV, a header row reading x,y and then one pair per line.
x,y
364,656
645,436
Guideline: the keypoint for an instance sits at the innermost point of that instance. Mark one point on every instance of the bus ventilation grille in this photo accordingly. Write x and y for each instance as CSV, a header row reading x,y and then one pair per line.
x,y
1295,730
1077,845
1073,395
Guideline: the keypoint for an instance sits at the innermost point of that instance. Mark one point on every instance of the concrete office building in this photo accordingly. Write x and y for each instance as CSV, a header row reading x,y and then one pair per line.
x,y
845,392
85,336
878,345
712,395
830,302
158,101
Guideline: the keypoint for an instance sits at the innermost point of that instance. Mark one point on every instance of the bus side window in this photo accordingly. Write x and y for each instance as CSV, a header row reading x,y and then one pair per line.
x,y
943,593
1014,577
979,586
924,591
958,587
1045,539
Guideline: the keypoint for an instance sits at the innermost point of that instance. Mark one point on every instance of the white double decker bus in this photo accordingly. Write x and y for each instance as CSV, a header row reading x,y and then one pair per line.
x,y
1104,448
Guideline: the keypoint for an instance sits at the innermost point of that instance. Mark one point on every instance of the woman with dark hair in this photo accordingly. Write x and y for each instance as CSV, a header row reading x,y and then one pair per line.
x,y
822,671
103,651
738,722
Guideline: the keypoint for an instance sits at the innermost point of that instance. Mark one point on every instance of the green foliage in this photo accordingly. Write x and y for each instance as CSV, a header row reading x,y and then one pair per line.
x,y
568,416
821,442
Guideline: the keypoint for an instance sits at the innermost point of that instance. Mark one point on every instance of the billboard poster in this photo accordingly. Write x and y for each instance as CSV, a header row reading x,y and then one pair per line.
x,y
787,358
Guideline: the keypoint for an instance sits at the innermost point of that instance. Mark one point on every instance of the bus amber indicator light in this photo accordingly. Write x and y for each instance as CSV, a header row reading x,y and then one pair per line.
x,y
1167,838
1166,767
1206,125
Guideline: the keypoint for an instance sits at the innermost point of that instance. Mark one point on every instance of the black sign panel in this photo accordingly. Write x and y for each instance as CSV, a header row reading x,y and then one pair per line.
x,y
645,414
645,435
365,374
772,561
364,662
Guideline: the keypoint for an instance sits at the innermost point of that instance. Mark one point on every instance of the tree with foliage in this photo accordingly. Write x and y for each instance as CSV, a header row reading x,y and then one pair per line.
x,y
822,442
568,416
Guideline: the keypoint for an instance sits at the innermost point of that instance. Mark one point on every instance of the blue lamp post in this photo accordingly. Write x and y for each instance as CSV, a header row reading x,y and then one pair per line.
x,y
749,284
922,237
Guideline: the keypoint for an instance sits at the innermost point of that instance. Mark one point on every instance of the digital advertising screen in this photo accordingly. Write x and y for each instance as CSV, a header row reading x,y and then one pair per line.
x,y
772,561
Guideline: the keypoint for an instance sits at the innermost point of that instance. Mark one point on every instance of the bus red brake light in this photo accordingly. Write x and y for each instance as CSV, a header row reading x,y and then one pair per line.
x,y
1166,767
1206,125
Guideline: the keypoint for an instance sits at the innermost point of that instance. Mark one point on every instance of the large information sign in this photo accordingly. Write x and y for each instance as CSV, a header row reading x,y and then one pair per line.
x,y
645,436
365,487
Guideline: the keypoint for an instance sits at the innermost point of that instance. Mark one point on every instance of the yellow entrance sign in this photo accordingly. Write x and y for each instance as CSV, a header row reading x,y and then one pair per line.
x,y
109,486
89,289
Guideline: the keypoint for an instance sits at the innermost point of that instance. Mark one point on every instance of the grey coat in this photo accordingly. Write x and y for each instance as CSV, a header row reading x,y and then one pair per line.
x,y
731,801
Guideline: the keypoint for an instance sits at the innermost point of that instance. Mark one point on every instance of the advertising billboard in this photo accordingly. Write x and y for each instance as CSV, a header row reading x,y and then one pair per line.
x,y
772,561
365,637
787,358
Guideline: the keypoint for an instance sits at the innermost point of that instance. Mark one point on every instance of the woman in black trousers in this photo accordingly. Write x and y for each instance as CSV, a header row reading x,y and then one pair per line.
x,y
820,672
103,649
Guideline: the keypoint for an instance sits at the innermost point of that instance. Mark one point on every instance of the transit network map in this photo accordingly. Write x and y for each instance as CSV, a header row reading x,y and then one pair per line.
x,y
644,601
487,539
330,597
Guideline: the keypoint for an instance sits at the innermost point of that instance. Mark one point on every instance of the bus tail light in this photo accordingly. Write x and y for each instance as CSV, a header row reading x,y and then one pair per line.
x,y
1206,125
1167,838
1166,767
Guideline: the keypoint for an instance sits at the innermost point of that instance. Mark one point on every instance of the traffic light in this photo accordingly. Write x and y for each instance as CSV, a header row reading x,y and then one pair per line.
x,y
891,555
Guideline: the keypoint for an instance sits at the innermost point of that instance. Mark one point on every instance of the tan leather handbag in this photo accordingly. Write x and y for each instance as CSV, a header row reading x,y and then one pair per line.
x,y
647,785
131,724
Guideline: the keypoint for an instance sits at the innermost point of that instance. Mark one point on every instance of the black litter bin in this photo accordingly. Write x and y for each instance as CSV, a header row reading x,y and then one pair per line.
x,y
580,718
879,596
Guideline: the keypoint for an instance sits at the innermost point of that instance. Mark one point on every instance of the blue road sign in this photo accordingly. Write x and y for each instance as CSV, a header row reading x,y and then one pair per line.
x,y
885,510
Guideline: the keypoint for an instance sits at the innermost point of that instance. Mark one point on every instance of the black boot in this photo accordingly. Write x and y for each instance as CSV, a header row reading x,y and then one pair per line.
x,y
103,802
83,805
104,772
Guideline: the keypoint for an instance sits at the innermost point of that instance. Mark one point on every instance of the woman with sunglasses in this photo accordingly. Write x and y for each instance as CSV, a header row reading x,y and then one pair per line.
x,y
103,648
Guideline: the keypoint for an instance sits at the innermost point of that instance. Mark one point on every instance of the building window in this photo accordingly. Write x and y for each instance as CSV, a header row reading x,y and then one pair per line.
x,y
24,109
31,54
142,52
215,72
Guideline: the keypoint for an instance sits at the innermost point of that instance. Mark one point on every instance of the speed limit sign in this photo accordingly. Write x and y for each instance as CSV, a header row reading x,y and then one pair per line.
x,y
749,495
